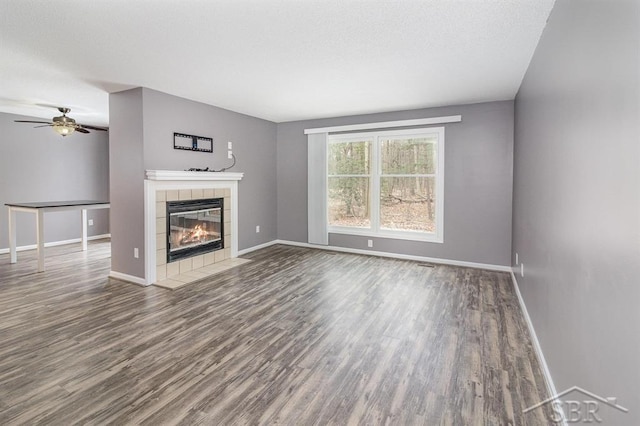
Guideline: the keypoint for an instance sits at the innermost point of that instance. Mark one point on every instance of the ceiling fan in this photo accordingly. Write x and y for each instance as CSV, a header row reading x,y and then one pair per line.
x,y
64,125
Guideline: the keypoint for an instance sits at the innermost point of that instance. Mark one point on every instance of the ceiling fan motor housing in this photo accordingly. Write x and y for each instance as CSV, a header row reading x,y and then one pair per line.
x,y
63,120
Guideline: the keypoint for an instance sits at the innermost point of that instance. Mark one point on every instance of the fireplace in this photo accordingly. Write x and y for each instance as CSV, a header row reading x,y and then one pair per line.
x,y
194,227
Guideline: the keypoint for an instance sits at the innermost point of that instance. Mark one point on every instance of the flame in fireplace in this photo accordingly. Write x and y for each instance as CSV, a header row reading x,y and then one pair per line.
x,y
193,235
198,232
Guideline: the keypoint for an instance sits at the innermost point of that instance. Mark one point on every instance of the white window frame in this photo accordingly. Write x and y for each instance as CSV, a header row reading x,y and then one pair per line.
x,y
375,173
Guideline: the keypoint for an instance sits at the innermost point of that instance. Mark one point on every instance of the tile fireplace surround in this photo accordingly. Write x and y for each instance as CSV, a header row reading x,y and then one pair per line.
x,y
161,186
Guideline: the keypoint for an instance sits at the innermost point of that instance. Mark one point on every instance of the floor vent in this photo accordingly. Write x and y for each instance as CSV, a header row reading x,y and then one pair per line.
x,y
427,265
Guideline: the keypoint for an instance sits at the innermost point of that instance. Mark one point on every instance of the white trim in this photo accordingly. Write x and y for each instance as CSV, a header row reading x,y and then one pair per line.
x,y
393,234
258,247
128,278
149,233
99,237
84,229
548,381
56,243
487,266
194,176
386,124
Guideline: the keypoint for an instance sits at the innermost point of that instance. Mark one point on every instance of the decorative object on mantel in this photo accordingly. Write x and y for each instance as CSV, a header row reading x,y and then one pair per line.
x,y
64,125
207,169
192,143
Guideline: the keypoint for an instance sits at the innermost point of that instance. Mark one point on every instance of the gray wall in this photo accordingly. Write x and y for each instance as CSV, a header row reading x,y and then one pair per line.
x,y
142,123
127,181
577,198
40,165
478,184
254,145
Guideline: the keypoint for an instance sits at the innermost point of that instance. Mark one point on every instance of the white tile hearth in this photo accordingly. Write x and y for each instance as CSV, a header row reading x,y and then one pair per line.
x,y
179,280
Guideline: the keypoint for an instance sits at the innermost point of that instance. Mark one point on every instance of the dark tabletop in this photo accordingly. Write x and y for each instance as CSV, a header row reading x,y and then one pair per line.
x,y
45,204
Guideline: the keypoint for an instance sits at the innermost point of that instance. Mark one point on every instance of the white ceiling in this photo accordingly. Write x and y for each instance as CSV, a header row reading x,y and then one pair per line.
x,y
281,60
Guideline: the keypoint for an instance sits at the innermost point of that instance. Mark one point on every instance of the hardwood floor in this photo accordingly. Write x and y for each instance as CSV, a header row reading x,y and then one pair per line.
x,y
297,336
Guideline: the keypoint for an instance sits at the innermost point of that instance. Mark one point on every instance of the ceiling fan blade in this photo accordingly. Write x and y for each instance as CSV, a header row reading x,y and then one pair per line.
x,y
29,121
46,125
81,130
86,126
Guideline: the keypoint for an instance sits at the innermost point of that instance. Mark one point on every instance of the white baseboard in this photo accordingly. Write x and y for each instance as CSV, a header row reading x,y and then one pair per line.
x,y
486,266
258,247
437,260
128,278
551,388
56,243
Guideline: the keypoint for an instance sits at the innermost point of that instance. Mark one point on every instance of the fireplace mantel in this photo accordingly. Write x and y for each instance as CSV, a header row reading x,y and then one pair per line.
x,y
178,183
182,175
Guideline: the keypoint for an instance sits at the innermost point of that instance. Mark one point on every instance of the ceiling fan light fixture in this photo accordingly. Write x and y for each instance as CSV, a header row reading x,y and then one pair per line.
x,y
64,129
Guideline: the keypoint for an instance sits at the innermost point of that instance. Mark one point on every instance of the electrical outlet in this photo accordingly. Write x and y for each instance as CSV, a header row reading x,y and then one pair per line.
x,y
90,222
229,145
522,270
257,228
230,154
136,252
369,243
517,259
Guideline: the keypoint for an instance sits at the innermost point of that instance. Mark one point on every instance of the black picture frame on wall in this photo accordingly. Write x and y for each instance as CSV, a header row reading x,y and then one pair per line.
x,y
192,142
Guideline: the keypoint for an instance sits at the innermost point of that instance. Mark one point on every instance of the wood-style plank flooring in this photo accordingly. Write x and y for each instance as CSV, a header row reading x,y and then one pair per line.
x,y
297,336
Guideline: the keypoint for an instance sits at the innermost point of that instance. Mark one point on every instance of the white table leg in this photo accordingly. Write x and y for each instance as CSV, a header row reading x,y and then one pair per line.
x,y
12,235
84,229
40,239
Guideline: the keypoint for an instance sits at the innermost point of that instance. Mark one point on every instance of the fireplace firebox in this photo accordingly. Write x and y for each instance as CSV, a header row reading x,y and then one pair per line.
x,y
194,227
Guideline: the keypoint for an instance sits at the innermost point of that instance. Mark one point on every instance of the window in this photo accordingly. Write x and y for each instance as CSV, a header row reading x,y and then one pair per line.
x,y
349,182
387,184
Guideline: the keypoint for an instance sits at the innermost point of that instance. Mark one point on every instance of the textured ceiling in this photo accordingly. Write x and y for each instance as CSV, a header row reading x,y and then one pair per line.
x,y
274,59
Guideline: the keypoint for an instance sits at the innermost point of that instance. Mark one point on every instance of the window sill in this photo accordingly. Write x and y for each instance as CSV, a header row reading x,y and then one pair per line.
x,y
392,235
